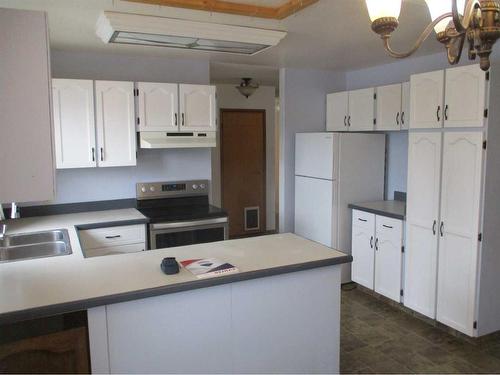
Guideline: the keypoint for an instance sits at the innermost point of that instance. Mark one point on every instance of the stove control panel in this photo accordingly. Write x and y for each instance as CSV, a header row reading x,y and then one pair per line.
x,y
155,190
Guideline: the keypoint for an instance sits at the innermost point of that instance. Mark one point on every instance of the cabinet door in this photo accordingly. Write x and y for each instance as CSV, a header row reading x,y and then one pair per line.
x,y
115,123
465,97
361,109
389,115
74,123
424,171
337,111
363,253
388,259
458,245
197,108
26,135
158,106
426,100
405,106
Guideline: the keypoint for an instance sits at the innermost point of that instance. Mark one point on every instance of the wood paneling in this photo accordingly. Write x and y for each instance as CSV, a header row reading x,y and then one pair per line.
x,y
219,6
61,352
243,167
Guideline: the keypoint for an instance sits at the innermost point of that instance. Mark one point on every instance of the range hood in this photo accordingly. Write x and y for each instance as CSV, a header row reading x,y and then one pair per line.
x,y
177,140
126,28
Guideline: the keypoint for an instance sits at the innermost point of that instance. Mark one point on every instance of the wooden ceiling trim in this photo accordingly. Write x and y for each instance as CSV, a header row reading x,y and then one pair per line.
x,y
222,6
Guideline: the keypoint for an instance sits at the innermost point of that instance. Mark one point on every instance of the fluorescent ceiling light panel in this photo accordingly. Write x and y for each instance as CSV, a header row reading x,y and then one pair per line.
x,y
125,28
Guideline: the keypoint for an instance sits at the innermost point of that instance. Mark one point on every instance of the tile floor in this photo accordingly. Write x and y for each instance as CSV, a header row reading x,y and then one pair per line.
x,y
379,338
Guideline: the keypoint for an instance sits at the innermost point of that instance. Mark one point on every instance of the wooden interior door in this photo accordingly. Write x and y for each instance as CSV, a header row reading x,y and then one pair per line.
x,y
243,170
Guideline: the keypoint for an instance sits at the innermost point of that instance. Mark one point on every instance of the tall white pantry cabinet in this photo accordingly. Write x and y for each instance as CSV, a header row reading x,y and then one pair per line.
x,y
452,256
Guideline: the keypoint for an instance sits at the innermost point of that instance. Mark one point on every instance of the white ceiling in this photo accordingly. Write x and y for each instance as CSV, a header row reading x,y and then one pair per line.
x,y
330,34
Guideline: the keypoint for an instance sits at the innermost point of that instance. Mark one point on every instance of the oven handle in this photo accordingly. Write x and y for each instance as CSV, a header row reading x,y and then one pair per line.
x,y
184,224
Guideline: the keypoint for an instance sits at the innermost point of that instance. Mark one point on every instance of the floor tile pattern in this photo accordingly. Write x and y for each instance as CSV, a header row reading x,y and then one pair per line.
x,y
379,338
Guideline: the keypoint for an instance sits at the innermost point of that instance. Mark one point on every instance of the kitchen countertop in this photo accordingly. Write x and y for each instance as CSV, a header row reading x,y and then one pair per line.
x,y
395,209
48,286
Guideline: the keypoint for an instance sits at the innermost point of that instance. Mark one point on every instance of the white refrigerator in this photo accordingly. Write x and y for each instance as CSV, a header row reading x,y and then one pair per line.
x,y
331,171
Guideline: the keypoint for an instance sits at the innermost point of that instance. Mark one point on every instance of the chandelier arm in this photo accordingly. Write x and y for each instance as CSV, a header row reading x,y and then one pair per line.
x,y
425,34
463,23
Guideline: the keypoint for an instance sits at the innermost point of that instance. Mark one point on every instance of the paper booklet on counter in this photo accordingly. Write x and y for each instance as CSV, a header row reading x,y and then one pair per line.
x,y
210,267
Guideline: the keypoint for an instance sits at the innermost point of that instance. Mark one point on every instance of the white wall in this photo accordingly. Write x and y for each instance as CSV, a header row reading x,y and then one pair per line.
x,y
264,98
77,185
302,109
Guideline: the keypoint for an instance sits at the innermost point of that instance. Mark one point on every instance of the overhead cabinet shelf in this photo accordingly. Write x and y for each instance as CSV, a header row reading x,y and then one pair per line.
x,y
95,121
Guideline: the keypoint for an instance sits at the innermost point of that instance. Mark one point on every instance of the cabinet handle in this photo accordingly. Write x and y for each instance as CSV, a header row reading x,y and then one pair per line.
x,y
402,118
349,121
441,229
438,113
371,242
397,119
102,154
362,220
446,112
175,119
434,227
387,226
183,119
345,119
111,237
376,244
93,153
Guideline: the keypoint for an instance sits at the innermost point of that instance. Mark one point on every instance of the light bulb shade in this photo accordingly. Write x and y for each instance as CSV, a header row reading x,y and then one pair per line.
x,y
440,7
383,8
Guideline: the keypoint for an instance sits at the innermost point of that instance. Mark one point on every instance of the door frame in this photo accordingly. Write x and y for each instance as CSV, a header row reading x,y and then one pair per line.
x,y
263,224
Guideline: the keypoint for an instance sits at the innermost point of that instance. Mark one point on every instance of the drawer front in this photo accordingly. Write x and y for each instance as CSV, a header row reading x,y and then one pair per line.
x,y
112,236
389,228
113,250
363,219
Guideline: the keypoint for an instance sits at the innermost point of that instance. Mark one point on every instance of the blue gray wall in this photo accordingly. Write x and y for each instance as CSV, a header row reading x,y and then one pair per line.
x,y
302,109
88,184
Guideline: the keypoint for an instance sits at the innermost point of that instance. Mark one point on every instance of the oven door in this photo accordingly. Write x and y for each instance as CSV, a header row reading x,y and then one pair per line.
x,y
163,235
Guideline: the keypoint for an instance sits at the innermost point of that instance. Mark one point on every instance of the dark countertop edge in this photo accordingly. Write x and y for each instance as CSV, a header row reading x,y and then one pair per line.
x,y
44,311
376,212
108,224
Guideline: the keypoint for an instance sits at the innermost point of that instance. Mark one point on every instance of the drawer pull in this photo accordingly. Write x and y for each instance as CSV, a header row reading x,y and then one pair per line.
x,y
387,226
111,237
364,220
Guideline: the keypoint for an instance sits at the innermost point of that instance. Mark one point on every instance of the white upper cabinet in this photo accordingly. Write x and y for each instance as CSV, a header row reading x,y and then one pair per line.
x,y
405,105
74,123
26,132
427,91
197,108
465,97
115,115
389,113
363,248
422,221
337,111
388,257
158,105
459,228
361,109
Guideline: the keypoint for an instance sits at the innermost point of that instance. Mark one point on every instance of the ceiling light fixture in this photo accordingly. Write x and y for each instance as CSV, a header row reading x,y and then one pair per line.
x,y
125,28
474,21
247,87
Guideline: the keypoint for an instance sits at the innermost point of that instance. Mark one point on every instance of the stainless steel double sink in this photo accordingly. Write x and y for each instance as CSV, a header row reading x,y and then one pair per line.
x,y
34,245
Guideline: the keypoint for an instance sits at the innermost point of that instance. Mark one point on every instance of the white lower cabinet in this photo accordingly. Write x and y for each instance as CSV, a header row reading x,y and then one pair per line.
x,y
377,244
388,257
113,240
363,242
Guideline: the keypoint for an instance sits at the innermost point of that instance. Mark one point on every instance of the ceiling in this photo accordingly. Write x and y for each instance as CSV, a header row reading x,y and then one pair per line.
x,y
330,34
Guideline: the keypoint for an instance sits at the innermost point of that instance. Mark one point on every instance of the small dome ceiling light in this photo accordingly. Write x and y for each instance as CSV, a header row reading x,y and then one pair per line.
x,y
247,87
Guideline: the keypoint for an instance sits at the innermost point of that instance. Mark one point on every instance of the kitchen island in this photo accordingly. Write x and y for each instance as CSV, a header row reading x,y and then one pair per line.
x,y
280,313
